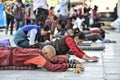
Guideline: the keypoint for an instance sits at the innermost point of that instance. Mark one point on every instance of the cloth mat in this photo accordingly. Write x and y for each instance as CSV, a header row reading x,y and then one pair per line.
x,y
17,67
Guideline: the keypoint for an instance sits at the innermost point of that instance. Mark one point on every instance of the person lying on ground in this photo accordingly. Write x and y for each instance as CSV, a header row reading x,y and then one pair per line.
x,y
33,56
67,43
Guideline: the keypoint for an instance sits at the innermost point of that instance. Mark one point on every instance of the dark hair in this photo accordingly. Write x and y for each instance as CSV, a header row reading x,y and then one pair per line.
x,y
62,22
46,27
19,0
73,17
76,30
81,35
51,8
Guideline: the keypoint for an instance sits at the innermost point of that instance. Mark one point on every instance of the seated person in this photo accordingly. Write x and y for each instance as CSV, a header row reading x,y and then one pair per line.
x,y
61,27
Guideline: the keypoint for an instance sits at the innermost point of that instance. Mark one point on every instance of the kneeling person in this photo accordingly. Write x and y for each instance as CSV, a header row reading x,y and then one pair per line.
x,y
29,35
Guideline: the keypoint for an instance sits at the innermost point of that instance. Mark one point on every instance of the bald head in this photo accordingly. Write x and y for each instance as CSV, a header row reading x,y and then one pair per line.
x,y
48,51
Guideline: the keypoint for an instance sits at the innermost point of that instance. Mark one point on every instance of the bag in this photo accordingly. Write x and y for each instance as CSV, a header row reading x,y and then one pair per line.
x,y
5,43
19,13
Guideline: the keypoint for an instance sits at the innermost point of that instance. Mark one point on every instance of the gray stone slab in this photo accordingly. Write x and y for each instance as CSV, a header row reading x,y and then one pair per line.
x,y
112,68
112,77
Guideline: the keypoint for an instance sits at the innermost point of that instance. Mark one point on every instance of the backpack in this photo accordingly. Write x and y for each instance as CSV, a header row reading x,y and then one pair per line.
x,y
19,13
5,43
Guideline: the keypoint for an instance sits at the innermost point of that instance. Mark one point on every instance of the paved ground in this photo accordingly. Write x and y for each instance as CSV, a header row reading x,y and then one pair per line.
x,y
108,67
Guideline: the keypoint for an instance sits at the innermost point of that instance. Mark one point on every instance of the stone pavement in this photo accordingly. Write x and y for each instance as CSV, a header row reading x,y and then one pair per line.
x,y
107,68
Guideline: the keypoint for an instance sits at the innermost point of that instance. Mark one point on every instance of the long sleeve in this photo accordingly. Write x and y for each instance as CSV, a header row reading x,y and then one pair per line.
x,y
56,67
41,61
57,64
59,59
74,48
33,34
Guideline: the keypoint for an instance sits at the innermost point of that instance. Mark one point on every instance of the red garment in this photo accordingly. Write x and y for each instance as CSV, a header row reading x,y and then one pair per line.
x,y
20,55
94,14
4,56
30,56
57,64
94,31
74,48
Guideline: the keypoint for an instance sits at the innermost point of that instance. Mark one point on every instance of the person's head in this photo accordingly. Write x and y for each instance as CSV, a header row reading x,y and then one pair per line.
x,y
44,30
61,24
48,52
79,37
73,18
52,8
95,7
70,31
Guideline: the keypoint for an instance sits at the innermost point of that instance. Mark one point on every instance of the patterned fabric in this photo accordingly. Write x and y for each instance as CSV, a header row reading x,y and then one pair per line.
x,y
17,67
92,48
52,24
8,7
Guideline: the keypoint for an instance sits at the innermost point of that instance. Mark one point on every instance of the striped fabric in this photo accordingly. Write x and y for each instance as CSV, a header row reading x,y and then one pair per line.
x,y
17,67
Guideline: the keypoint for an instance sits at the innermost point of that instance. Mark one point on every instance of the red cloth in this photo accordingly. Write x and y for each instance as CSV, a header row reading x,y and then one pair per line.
x,y
4,56
74,48
94,31
57,64
20,55
31,56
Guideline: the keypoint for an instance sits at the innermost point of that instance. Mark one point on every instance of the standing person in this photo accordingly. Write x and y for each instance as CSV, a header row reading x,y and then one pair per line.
x,y
32,15
40,9
63,45
29,35
115,12
64,12
27,14
94,11
8,8
19,11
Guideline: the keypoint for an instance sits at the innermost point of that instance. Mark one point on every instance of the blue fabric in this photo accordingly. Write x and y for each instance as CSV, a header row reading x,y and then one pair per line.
x,y
27,28
19,36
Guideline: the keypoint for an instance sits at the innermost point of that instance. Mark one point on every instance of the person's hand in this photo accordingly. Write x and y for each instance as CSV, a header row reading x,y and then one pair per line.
x,y
93,59
90,59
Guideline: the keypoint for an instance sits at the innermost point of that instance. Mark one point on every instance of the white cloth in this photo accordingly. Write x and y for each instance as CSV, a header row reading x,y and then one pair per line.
x,y
39,4
78,22
118,9
32,34
64,7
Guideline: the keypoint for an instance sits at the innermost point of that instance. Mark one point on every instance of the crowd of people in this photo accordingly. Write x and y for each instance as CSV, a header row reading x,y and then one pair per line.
x,y
38,26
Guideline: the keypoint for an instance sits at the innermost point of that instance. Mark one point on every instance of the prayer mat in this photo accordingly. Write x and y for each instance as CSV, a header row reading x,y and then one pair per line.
x,y
92,48
86,43
17,67
110,41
